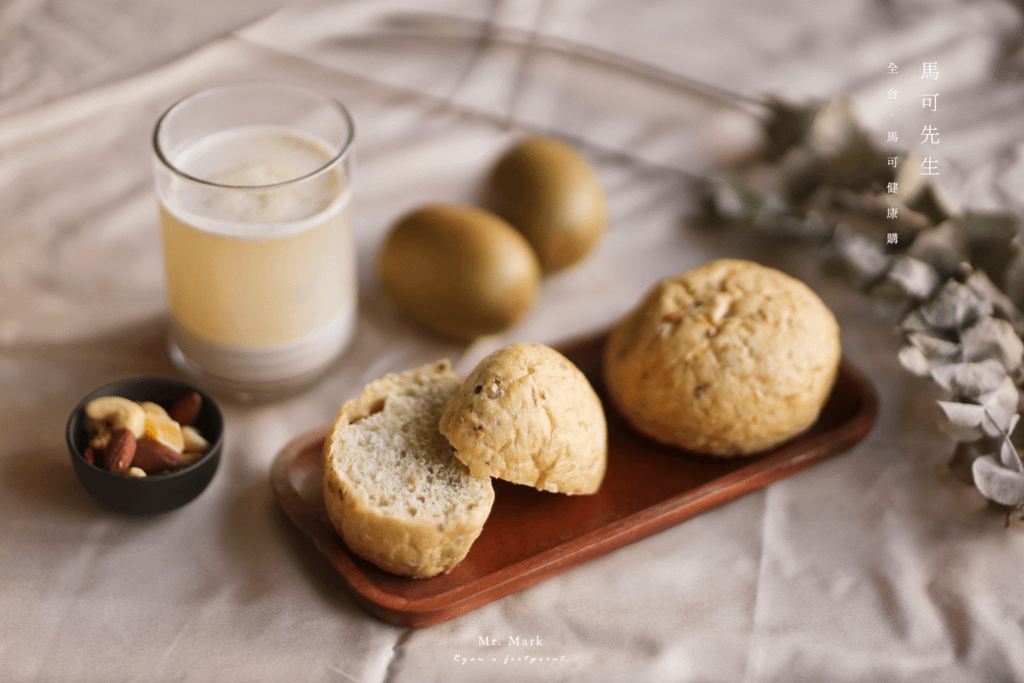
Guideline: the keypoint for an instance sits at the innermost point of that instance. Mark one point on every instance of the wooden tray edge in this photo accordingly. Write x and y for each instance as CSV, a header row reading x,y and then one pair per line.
x,y
421,612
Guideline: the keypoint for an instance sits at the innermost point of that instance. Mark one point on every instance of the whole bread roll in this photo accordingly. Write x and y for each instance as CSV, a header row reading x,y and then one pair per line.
x,y
527,414
727,359
392,486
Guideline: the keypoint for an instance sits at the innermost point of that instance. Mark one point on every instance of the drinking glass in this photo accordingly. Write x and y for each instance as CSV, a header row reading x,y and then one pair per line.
x,y
254,182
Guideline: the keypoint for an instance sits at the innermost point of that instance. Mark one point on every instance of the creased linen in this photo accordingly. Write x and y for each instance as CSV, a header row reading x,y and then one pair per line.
x,y
875,565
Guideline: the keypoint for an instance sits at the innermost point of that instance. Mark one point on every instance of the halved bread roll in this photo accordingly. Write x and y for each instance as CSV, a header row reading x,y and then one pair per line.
x,y
392,484
527,414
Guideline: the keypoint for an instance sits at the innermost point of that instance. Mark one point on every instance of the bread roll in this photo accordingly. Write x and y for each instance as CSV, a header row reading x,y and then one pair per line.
x,y
528,415
727,359
392,486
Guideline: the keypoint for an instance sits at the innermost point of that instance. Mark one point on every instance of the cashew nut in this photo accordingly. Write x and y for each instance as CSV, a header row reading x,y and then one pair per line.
x,y
151,408
99,434
117,412
194,441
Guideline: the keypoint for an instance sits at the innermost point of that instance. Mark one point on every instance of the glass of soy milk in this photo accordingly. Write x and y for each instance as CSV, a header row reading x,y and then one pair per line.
x,y
255,188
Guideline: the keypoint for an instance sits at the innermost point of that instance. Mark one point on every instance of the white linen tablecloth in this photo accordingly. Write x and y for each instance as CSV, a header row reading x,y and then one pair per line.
x,y
877,565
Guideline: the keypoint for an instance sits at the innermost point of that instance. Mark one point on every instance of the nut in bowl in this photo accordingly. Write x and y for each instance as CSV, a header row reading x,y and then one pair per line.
x,y
145,445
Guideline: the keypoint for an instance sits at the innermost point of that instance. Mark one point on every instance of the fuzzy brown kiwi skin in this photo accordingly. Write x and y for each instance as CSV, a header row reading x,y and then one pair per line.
x,y
459,270
549,192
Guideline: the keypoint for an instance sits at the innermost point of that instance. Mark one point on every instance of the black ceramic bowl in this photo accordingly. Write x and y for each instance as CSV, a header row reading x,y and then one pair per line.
x,y
159,492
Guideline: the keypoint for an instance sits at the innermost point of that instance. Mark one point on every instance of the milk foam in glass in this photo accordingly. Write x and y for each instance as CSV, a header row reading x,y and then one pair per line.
x,y
254,184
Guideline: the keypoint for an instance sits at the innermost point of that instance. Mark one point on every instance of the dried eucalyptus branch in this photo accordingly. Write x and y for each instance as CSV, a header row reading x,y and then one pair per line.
x,y
954,280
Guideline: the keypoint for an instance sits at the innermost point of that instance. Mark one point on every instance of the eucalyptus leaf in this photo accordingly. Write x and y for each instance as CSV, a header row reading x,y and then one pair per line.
x,y
1008,455
730,199
785,126
954,307
1000,407
879,207
857,164
964,420
815,224
982,285
915,322
784,223
859,202
942,247
863,261
911,358
808,226
773,216
889,297
998,483
972,380
915,277
991,338
934,348
833,128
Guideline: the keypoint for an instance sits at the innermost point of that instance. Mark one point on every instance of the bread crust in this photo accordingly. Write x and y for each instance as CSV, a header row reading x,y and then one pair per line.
x,y
421,545
528,415
727,359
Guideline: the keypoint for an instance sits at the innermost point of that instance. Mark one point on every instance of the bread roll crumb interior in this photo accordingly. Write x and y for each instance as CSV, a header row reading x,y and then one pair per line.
x,y
392,485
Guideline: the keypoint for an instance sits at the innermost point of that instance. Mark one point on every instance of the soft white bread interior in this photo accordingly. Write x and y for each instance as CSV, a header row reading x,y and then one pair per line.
x,y
392,484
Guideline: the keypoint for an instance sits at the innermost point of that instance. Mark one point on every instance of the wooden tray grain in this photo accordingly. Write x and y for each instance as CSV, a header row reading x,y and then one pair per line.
x,y
532,535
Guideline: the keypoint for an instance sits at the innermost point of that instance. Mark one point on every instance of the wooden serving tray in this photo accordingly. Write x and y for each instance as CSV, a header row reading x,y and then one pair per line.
x,y
532,535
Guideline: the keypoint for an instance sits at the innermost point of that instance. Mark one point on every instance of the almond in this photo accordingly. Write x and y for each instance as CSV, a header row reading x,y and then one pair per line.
x,y
186,409
120,450
152,457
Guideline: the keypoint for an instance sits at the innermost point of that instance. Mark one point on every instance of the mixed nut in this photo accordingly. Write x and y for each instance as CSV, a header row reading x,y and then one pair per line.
x,y
138,439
